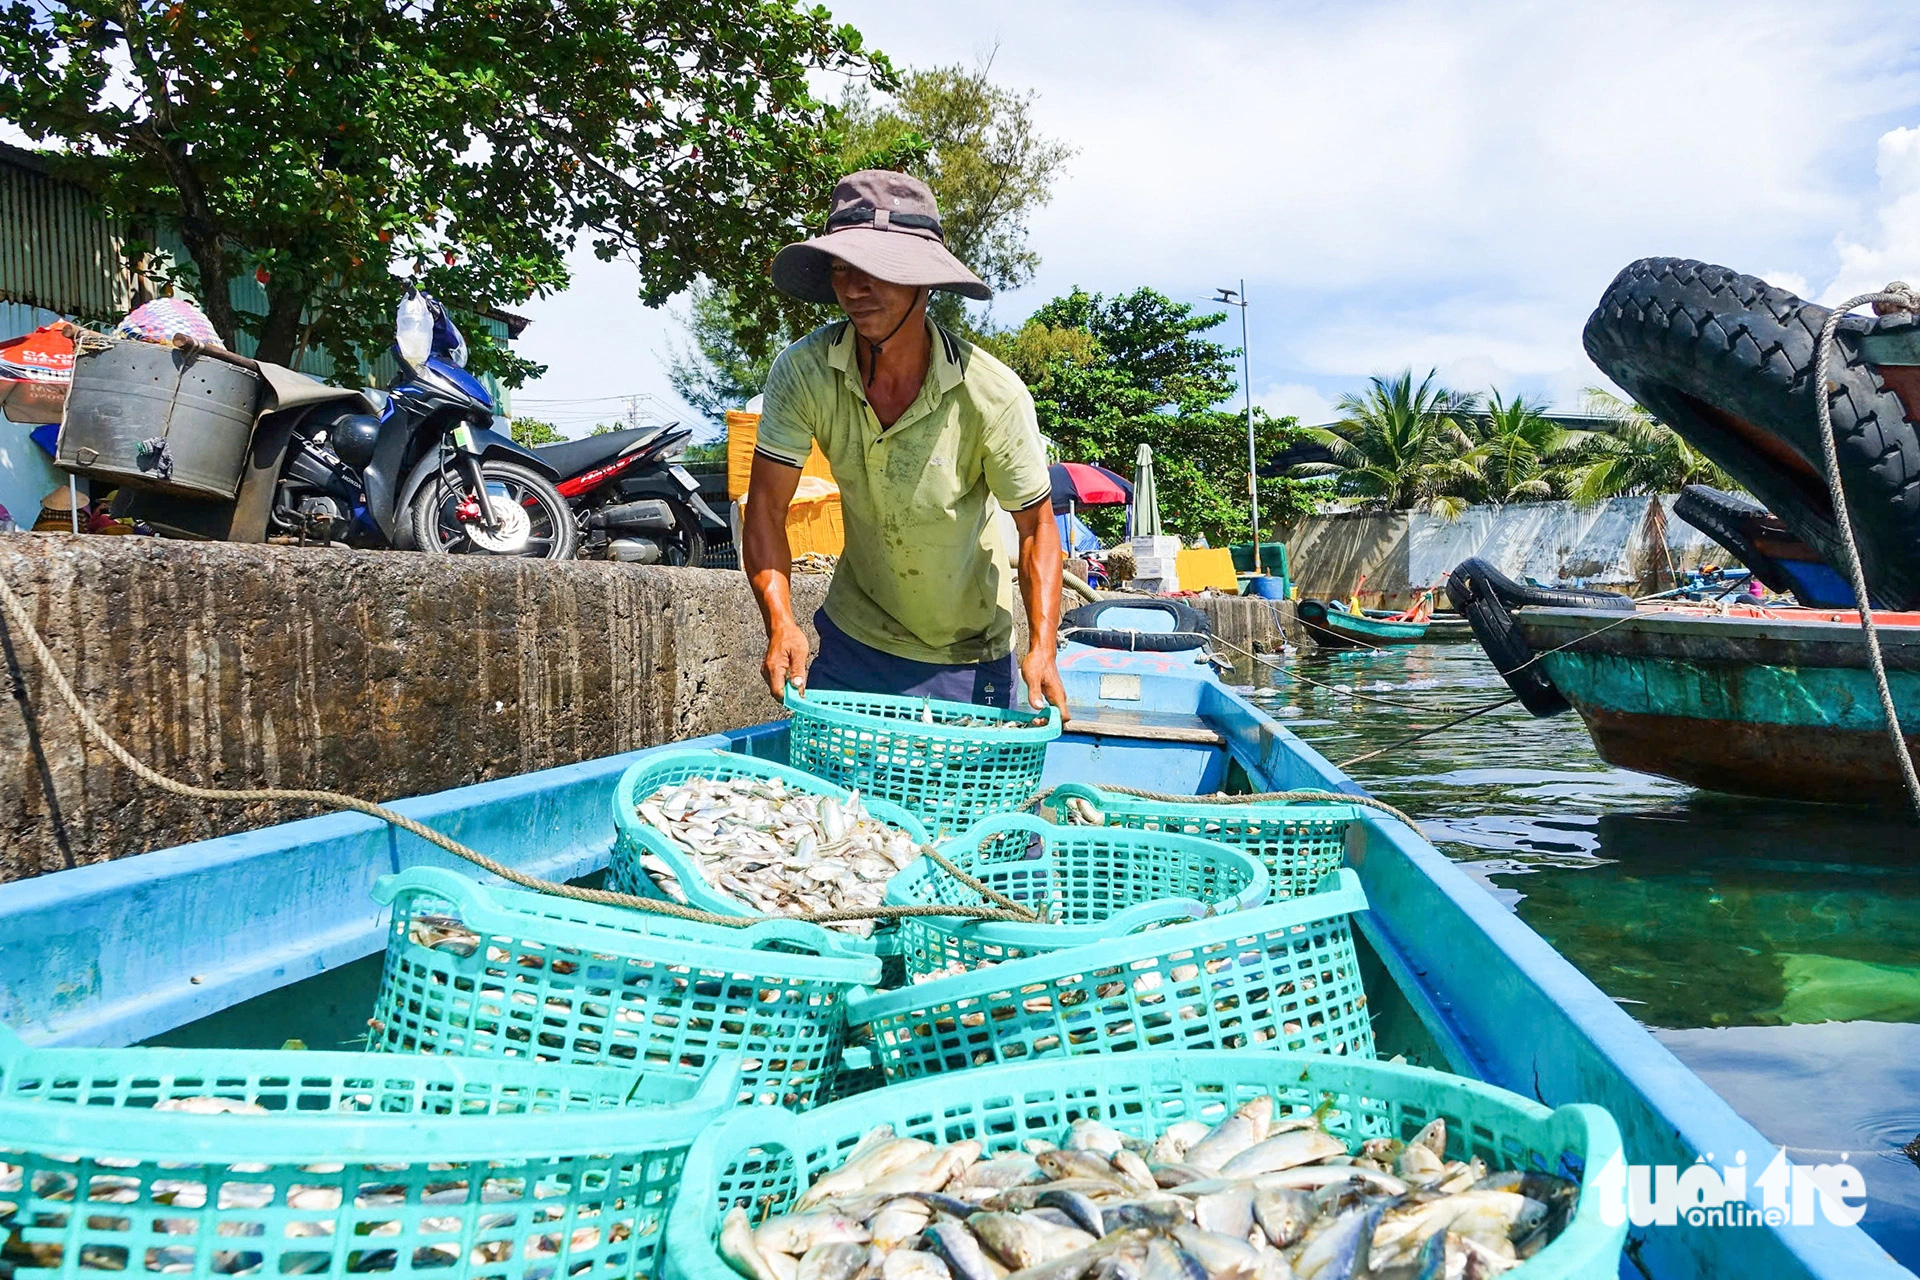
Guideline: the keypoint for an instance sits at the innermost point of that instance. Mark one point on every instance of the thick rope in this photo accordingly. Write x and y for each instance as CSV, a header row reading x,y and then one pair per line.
x,y
49,667
1895,297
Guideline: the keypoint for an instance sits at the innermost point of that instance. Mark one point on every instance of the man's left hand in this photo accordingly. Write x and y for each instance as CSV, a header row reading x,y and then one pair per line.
x,y
1042,675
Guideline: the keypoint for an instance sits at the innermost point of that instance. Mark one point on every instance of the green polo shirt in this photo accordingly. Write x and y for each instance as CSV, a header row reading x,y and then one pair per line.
x,y
924,575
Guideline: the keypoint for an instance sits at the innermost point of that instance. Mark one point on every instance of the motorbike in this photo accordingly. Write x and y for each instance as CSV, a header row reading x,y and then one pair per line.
x,y
420,465
633,502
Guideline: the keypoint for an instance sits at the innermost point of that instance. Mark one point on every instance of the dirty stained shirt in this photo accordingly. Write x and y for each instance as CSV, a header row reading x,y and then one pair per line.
x,y
924,573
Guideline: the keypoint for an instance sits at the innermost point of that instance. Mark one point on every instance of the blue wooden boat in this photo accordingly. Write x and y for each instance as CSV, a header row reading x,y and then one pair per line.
x,y
1774,703
1333,626
125,951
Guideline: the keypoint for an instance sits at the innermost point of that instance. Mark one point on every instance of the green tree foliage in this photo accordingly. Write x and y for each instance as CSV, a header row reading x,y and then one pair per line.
x,y
1109,375
1398,446
977,146
321,147
1522,453
1637,455
532,431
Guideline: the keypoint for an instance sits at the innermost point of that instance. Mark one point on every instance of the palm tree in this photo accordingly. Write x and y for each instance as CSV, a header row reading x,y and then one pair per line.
x,y
1402,447
1638,455
1520,448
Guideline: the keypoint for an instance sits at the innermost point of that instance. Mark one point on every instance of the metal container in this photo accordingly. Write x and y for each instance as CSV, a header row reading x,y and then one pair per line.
x,y
153,417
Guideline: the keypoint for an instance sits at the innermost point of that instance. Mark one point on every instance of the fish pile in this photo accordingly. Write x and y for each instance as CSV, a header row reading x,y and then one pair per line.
x,y
238,1195
980,722
1255,1197
776,847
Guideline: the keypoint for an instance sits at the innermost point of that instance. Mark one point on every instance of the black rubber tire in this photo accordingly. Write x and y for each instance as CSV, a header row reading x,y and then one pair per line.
x,y
1725,517
1485,597
1190,629
1692,342
564,542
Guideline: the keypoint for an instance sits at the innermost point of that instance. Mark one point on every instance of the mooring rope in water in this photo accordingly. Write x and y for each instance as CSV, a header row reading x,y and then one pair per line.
x,y
1895,297
16,610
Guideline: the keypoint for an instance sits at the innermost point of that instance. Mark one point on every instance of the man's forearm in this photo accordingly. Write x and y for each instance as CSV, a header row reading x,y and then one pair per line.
x,y
1041,564
769,564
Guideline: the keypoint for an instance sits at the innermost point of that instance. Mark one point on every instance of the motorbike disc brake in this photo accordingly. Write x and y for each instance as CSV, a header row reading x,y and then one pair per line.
x,y
511,535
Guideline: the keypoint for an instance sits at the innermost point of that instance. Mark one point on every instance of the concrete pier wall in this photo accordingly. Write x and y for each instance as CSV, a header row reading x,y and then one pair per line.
x,y
379,675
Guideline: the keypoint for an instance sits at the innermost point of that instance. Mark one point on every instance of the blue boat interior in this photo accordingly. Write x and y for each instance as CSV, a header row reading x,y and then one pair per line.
x,y
273,934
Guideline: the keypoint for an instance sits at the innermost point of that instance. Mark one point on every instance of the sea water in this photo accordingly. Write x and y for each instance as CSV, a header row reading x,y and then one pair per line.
x,y
1773,947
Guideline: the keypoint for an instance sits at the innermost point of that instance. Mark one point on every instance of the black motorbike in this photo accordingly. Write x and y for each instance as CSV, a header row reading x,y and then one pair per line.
x,y
418,466
634,503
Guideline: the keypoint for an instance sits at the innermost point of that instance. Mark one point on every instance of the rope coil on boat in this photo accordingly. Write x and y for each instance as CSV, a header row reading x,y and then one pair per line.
x,y
1007,910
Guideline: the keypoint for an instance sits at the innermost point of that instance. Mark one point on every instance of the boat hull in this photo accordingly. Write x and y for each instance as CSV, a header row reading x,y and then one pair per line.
x,y
1760,706
1332,629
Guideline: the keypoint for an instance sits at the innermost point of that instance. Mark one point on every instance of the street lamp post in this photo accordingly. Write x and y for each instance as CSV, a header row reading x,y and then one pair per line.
x,y
1238,298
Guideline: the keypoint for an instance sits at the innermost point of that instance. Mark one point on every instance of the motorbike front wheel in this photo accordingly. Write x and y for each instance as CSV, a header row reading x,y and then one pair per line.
x,y
534,520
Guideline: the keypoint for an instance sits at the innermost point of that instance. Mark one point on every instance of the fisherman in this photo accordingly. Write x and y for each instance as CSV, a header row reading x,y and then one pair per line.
x,y
929,438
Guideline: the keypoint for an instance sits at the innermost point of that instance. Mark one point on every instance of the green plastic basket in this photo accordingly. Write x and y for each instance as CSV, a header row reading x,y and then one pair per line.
x,y
1093,883
1282,976
634,836
558,980
947,775
366,1163
1299,843
760,1160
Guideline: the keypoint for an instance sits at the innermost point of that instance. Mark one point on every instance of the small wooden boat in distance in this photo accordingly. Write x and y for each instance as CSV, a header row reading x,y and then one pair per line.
x,y
1333,627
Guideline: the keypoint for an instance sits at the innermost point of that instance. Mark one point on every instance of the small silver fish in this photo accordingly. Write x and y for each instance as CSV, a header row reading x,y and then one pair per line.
x,y
1340,1252
739,1250
1298,1146
911,1264
1283,1214
1022,1241
1244,1128
837,1261
797,1233
956,1246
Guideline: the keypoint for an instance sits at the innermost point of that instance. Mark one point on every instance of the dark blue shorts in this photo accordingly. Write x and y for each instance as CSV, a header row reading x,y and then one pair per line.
x,y
846,665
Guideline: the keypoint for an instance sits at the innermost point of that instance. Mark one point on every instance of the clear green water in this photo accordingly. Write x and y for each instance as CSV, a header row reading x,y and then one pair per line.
x,y
1774,947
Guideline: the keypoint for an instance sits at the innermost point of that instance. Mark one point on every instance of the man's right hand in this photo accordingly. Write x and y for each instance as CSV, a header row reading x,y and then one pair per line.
x,y
787,653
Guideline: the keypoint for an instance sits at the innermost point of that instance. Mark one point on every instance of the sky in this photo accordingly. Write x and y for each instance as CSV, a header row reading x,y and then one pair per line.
x,y
1401,185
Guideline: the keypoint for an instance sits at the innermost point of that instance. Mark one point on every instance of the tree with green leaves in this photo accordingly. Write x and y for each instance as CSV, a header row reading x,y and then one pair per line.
x,y
976,144
1109,375
1637,455
532,431
1398,446
1521,454
322,148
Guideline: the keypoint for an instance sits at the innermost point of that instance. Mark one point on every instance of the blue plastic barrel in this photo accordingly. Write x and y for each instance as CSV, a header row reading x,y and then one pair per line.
x,y
1267,587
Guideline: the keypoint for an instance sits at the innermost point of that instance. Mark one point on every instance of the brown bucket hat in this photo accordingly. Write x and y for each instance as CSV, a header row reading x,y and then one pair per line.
x,y
887,225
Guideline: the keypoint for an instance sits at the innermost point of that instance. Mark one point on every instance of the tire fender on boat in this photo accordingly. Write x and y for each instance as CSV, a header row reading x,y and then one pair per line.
x,y
1485,597
1190,629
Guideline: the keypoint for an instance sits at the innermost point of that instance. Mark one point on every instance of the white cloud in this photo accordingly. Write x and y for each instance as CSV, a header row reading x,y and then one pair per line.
x,y
1409,185
1299,399
1891,249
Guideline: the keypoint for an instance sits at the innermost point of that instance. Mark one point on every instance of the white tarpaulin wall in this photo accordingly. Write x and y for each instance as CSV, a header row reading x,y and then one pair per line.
x,y
1624,544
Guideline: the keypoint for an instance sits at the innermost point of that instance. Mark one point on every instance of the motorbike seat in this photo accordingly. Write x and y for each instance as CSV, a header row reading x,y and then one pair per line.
x,y
571,457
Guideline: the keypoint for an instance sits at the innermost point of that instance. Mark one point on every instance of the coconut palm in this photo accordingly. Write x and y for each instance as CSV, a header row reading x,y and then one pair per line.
x,y
1637,455
1400,446
1521,450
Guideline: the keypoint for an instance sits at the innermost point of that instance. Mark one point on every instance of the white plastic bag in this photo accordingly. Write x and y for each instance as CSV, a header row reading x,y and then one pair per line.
x,y
413,330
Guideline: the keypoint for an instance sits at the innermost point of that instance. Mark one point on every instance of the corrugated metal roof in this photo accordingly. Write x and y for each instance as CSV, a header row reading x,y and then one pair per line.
x,y
57,251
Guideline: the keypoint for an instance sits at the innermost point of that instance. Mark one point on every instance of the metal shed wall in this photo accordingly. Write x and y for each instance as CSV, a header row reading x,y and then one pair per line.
x,y
58,252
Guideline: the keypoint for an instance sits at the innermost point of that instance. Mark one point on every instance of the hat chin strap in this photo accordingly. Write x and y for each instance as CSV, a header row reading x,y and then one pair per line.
x,y
873,366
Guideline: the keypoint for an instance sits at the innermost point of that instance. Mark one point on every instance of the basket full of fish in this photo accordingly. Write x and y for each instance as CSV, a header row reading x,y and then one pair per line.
x,y
1298,843
740,836
1279,976
492,972
948,763
228,1162
1212,1166
1086,883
